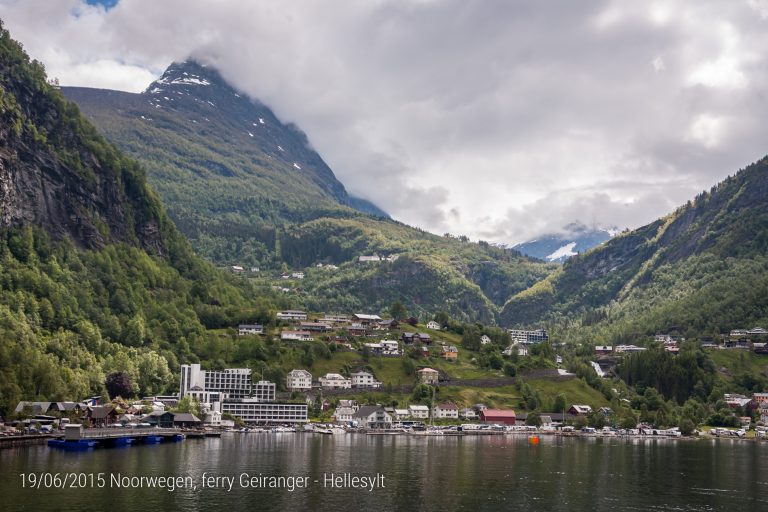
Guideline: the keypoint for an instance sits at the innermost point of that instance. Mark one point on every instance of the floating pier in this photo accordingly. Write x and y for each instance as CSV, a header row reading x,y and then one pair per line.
x,y
77,438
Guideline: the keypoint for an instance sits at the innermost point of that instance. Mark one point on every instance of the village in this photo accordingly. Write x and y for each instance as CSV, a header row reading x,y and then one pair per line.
x,y
213,401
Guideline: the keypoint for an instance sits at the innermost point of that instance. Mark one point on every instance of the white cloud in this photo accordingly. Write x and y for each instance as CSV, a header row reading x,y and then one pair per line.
x,y
500,120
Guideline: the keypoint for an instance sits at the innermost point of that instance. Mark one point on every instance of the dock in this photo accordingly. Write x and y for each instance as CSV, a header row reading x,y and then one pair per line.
x,y
77,438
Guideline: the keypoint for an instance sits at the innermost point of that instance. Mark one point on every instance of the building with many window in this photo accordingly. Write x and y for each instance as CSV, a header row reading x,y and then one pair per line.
x,y
529,337
210,386
246,329
335,381
291,315
364,380
254,411
299,380
233,391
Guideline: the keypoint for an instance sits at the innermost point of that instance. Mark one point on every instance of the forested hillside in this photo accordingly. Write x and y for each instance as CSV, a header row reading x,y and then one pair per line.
x,y
93,275
700,270
248,190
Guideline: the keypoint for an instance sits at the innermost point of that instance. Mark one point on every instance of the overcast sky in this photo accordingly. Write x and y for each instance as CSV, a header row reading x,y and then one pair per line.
x,y
500,120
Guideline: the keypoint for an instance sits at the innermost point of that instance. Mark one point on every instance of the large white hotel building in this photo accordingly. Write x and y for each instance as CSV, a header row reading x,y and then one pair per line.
x,y
233,391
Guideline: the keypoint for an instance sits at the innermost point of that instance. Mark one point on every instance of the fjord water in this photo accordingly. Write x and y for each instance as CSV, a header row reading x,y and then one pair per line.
x,y
446,474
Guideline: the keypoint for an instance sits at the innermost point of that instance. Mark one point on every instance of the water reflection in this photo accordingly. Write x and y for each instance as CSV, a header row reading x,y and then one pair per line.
x,y
422,473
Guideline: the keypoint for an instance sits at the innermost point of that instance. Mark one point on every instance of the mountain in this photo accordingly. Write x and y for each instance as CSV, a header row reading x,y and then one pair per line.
x,y
227,168
558,247
94,276
701,270
248,190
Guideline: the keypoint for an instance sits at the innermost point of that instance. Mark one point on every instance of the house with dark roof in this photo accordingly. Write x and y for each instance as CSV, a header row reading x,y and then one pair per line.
x,y
409,338
162,419
372,416
186,420
579,410
101,415
446,410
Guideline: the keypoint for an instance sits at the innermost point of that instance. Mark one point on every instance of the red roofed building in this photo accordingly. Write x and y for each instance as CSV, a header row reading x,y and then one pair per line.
x,y
504,416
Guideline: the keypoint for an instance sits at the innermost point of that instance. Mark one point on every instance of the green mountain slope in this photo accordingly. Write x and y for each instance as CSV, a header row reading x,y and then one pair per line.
x,y
94,277
226,167
700,269
248,190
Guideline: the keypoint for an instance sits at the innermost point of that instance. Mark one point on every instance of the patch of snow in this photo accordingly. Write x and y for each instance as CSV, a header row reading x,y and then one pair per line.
x,y
185,73
565,251
155,90
249,133
261,121
194,121
191,81
280,148
210,103
166,98
296,165
613,231
237,95
254,124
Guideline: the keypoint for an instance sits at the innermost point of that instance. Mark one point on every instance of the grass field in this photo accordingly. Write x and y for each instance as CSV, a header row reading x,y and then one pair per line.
x,y
740,360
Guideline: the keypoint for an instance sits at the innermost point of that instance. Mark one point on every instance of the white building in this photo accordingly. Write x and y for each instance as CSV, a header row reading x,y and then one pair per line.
x,y
433,325
384,348
296,335
214,386
335,319
485,339
246,329
445,411
344,414
264,391
521,350
291,315
299,380
529,337
254,411
418,411
627,348
212,419
364,380
372,416
335,381
345,410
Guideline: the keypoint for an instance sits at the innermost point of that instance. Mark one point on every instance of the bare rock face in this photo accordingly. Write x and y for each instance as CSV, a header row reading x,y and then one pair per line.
x,y
58,174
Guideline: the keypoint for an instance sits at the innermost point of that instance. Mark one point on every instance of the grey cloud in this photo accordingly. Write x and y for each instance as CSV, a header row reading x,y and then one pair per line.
x,y
500,120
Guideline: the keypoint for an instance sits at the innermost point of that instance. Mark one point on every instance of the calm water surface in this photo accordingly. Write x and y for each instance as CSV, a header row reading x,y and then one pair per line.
x,y
470,473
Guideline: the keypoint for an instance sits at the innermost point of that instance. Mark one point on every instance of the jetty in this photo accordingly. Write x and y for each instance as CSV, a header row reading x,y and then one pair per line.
x,y
77,438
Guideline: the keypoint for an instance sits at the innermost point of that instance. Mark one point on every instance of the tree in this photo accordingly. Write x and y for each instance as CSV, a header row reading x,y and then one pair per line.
x,y
686,427
408,367
119,384
398,311
190,405
628,421
534,418
471,338
560,403
510,370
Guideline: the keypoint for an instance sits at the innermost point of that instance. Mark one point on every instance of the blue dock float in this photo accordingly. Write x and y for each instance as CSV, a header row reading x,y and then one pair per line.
x,y
77,438
80,445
